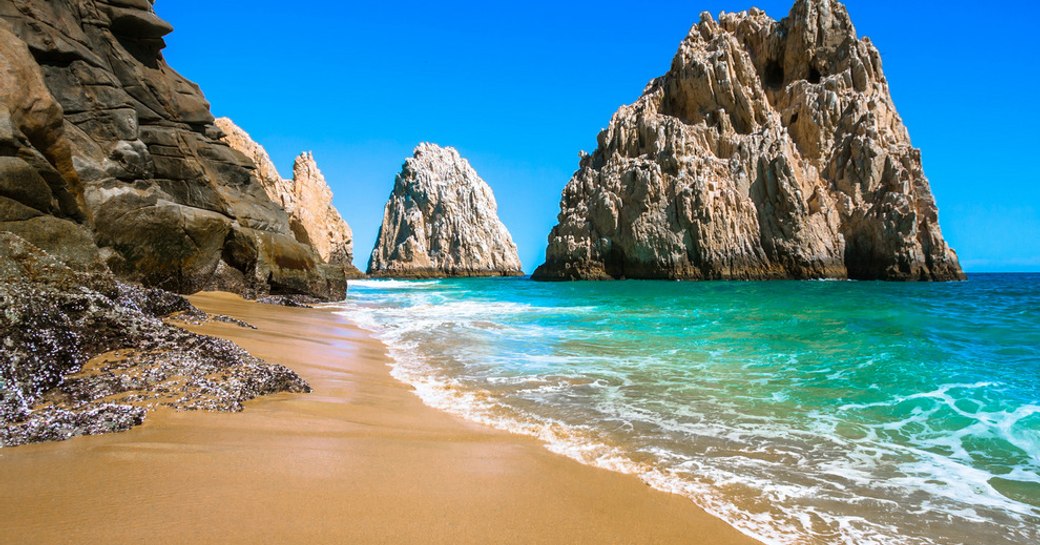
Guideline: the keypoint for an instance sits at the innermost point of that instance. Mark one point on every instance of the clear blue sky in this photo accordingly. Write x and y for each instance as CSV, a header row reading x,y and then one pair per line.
x,y
520,87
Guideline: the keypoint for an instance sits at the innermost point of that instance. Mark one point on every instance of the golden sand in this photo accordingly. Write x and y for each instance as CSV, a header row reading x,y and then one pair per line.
x,y
359,460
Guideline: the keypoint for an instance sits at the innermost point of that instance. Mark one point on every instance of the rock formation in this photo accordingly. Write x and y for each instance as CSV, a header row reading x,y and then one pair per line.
x,y
768,150
41,197
442,220
82,354
307,199
104,146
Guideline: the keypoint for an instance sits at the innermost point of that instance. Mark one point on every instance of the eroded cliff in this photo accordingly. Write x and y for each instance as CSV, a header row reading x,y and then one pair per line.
x,y
306,197
768,150
107,148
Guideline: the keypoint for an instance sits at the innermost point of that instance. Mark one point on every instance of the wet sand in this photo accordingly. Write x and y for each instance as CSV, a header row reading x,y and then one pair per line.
x,y
359,460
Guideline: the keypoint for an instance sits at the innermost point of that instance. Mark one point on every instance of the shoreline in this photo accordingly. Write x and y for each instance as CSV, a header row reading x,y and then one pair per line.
x,y
361,458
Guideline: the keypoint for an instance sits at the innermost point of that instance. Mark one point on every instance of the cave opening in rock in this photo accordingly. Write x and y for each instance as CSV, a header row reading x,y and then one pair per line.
x,y
774,75
814,75
145,50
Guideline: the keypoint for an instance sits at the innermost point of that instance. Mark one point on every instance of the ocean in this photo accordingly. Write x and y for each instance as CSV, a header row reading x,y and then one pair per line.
x,y
799,412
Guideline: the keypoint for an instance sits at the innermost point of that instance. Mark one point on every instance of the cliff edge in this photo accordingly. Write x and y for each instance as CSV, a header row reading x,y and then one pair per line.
x,y
307,198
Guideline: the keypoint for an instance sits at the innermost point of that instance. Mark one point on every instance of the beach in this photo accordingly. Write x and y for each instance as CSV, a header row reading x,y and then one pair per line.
x,y
690,289
358,460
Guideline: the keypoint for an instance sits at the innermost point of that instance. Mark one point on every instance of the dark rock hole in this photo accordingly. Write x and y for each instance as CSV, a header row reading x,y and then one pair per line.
x,y
146,51
814,75
774,75
60,59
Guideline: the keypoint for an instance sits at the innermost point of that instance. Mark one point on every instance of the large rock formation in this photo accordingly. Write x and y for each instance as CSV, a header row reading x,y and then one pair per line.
x,y
769,150
307,199
442,220
102,142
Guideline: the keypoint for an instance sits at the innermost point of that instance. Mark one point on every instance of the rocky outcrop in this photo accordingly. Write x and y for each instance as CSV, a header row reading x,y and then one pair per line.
x,y
41,197
82,354
769,150
307,199
442,220
104,146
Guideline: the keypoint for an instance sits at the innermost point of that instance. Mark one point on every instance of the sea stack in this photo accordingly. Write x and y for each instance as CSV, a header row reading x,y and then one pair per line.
x,y
769,150
306,197
442,221
107,155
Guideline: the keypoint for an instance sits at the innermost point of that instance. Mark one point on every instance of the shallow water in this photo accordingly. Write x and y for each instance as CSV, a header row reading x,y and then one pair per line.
x,y
800,412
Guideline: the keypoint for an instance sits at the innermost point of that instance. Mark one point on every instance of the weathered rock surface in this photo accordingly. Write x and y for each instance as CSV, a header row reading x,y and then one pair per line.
x,y
442,220
82,354
307,199
769,150
102,142
40,192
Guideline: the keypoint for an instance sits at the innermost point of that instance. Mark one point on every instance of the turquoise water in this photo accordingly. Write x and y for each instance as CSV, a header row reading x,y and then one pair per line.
x,y
800,412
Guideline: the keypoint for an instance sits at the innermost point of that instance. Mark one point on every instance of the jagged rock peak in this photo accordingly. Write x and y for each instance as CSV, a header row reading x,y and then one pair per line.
x,y
314,216
442,220
306,197
770,149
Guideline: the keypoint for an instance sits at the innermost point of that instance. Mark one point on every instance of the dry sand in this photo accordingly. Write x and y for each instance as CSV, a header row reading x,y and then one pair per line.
x,y
359,460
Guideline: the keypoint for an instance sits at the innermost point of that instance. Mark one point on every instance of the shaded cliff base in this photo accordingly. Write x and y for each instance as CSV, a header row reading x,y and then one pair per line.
x,y
622,269
84,354
358,460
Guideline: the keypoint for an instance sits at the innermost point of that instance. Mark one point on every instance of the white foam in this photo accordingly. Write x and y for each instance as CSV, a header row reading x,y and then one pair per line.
x,y
391,284
564,440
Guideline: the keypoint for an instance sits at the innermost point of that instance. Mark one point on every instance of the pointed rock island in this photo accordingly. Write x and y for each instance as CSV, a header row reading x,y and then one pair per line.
x,y
769,150
442,221
306,197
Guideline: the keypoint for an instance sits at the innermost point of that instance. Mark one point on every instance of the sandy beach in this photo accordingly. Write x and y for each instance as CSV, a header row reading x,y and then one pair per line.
x,y
359,460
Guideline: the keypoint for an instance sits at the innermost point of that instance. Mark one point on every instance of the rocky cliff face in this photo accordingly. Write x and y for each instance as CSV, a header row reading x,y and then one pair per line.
x,y
102,142
769,150
442,220
307,199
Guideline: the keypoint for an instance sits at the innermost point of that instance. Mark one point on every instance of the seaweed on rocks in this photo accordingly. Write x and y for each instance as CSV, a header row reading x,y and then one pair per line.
x,y
294,301
83,354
